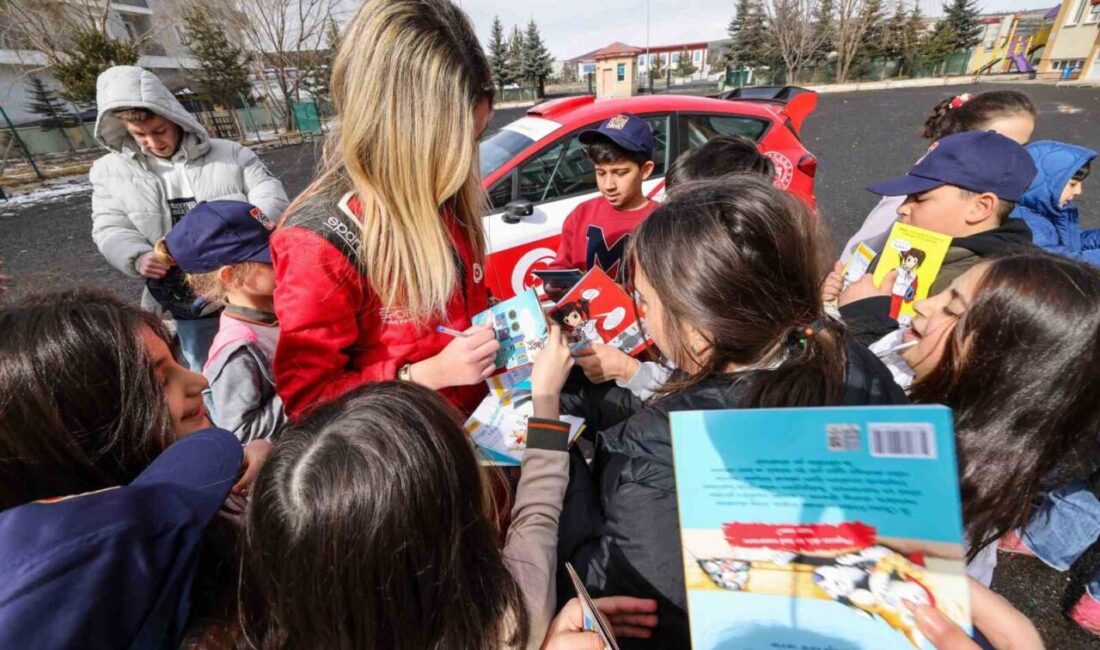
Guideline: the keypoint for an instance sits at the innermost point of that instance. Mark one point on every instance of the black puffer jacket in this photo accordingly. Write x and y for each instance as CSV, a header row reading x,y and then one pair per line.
x,y
620,525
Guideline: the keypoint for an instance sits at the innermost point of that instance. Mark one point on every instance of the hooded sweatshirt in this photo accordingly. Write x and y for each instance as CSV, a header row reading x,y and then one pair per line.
x,y
133,194
1055,227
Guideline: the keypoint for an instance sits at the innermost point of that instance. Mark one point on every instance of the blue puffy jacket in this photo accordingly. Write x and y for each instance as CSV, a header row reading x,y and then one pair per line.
x,y
1054,227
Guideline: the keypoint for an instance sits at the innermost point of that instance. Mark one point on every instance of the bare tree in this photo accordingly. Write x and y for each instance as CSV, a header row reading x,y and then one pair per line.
x,y
74,38
792,33
853,19
287,36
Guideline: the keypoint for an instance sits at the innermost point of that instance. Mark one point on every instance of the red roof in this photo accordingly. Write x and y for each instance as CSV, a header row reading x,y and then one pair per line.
x,y
617,49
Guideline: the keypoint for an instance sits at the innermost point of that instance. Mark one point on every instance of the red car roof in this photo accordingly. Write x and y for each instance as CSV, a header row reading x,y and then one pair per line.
x,y
586,108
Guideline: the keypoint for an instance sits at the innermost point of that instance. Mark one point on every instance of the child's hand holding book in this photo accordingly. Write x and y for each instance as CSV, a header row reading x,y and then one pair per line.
x,y
602,363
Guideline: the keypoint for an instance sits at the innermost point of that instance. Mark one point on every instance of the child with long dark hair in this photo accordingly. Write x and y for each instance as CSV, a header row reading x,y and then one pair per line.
x,y
1012,347
91,394
372,527
726,274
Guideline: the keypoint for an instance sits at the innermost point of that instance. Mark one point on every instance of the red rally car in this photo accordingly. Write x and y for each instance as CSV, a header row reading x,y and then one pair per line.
x,y
536,172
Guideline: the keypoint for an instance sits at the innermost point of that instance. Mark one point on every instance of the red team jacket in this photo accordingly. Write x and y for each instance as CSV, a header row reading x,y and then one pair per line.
x,y
596,234
335,335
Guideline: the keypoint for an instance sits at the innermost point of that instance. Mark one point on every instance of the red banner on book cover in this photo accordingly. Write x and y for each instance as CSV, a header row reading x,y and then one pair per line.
x,y
800,537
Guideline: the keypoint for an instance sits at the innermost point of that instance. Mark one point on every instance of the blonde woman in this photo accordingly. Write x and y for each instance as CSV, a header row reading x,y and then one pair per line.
x,y
386,244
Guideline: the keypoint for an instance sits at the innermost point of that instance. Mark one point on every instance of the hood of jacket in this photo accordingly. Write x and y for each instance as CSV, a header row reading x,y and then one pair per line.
x,y
1057,162
127,86
1009,236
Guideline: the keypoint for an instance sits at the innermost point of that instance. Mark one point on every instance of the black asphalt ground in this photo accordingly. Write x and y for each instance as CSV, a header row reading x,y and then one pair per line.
x,y
858,137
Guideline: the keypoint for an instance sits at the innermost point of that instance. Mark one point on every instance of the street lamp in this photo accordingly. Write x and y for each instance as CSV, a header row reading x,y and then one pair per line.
x,y
648,61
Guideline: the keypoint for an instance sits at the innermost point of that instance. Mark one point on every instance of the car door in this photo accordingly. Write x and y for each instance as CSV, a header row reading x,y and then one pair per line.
x,y
555,180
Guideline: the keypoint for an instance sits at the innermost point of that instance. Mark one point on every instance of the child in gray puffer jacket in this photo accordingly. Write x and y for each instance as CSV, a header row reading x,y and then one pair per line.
x,y
223,247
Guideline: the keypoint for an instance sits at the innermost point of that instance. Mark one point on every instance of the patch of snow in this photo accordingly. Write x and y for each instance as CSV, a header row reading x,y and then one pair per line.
x,y
45,194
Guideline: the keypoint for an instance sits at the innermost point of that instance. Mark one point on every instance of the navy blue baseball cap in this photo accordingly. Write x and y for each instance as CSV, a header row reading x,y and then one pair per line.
x,y
214,234
628,131
978,161
114,568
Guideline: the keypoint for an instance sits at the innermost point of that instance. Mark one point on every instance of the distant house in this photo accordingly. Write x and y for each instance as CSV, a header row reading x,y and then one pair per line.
x,y
702,54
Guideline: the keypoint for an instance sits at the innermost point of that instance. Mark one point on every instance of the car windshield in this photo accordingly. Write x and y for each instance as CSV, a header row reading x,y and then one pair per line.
x,y
501,147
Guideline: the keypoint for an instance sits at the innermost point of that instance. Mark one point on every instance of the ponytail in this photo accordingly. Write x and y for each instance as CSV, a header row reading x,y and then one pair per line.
x,y
811,372
967,112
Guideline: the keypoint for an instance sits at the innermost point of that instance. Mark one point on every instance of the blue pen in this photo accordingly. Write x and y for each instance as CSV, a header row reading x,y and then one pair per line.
x,y
450,332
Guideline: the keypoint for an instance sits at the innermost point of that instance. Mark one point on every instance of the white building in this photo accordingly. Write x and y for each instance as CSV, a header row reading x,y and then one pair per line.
x,y
163,52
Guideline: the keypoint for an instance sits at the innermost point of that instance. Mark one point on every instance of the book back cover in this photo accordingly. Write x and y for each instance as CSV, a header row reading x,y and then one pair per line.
x,y
812,527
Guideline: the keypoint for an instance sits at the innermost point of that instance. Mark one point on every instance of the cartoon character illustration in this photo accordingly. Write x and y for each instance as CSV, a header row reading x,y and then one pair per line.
x,y
576,317
876,582
905,284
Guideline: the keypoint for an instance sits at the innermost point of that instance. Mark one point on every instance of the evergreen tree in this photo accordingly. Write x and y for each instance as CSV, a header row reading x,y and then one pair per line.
x,y
45,103
89,53
961,16
825,22
498,54
222,76
748,31
684,65
537,62
516,50
872,44
657,71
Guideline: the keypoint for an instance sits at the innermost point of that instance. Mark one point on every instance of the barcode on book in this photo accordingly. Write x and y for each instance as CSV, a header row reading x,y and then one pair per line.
x,y
842,437
902,439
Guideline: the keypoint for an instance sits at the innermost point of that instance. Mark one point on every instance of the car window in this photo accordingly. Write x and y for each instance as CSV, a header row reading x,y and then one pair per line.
x,y
499,148
563,170
701,128
500,194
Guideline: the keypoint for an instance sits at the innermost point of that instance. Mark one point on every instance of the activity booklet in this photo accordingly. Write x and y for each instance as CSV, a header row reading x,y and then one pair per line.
x,y
811,527
598,311
499,424
520,328
917,255
594,620
858,264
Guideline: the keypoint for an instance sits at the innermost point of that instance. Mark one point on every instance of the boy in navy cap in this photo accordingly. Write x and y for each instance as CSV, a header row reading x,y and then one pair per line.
x,y
223,247
596,232
965,186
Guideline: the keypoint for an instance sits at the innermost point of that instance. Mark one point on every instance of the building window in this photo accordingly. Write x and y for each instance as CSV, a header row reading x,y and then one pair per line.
x,y
1075,13
641,61
620,72
1094,14
697,56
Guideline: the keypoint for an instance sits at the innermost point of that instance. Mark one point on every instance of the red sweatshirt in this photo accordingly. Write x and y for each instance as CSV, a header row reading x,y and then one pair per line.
x,y
335,335
595,234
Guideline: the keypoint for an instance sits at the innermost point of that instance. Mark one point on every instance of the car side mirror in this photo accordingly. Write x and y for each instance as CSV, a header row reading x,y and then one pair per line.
x,y
515,211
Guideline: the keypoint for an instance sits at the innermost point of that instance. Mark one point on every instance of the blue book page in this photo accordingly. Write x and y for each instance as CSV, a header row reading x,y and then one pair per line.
x,y
810,528
520,328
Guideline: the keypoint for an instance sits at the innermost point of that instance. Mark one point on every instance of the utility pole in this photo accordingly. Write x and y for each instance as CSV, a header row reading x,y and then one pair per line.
x,y
648,62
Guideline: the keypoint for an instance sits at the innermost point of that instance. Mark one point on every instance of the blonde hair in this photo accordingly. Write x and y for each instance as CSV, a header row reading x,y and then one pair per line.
x,y
131,115
209,285
162,254
405,83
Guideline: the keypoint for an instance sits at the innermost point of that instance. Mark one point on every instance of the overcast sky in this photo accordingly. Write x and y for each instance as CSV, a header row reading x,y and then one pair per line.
x,y
573,27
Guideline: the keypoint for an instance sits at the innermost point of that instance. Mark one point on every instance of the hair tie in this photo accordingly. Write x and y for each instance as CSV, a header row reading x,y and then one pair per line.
x,y
958,100
803,333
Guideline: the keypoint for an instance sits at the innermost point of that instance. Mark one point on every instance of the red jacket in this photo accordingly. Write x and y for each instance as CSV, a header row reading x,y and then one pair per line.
x,y
335,335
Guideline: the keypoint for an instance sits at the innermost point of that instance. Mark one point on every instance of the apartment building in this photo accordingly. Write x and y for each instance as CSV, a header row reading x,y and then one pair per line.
x,y
162,52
